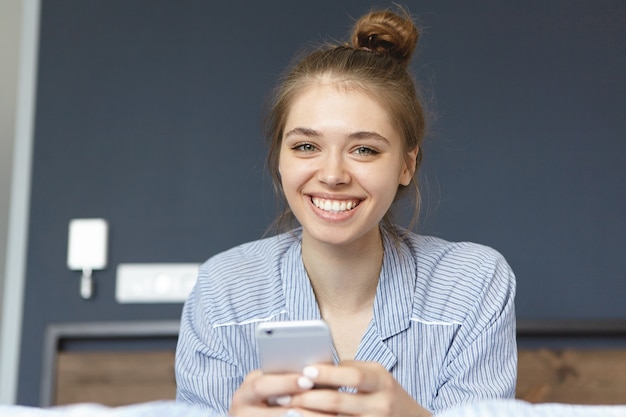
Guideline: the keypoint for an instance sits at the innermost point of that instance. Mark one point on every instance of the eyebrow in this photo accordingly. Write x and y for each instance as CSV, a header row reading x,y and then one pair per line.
x,y
368,135
304,131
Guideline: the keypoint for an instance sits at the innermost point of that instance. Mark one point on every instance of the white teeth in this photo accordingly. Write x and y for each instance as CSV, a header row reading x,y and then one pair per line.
x,y
334,206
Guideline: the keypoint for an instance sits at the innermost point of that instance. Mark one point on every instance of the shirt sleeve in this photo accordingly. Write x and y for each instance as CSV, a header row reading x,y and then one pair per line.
x,y
206,373
482,360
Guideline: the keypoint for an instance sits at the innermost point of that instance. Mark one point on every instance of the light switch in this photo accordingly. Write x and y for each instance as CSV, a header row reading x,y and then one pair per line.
x,y
154,282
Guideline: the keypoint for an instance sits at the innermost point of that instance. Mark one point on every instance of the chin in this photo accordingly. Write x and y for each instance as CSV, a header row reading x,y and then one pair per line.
x,y
336,237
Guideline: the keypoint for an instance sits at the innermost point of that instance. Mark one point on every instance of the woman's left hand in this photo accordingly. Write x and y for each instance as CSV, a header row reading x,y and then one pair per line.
x,y
377,392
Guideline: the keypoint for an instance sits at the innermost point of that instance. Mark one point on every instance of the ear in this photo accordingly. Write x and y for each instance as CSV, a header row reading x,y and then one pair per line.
x,y
408,170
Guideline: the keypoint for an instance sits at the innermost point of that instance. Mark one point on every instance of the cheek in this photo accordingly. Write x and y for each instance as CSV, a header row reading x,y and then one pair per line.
x,y
379,187
381,181
290,174
285,169
384,188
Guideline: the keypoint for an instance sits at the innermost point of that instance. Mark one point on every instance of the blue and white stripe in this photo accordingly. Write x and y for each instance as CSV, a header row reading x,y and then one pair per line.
x,y
443,325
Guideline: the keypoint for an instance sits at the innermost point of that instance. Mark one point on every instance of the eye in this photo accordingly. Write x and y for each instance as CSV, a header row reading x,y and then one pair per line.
x,y
305,147
365,151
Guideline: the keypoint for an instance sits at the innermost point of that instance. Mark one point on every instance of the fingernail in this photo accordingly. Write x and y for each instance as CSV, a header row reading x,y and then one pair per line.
x,y
283,400
311,372
292,413
305,383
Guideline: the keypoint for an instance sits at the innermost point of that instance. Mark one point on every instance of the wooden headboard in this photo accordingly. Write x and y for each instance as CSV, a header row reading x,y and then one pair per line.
x,y
119,378
575,376
595,376
114,378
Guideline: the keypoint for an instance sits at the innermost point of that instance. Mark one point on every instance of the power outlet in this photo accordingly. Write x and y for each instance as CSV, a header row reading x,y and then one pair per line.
x,y
155,282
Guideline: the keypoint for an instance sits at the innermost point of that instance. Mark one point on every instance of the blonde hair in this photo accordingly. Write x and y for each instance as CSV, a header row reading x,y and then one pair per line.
x,y
375,63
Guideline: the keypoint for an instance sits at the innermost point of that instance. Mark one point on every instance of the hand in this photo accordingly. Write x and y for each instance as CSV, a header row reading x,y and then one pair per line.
x,y
377,393
267,395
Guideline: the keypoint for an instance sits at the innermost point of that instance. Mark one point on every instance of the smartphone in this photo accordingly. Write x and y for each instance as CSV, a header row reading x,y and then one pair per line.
x,y
289,346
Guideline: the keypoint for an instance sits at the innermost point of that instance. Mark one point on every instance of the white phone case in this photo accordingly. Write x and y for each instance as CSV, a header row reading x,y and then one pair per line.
x,y
289,346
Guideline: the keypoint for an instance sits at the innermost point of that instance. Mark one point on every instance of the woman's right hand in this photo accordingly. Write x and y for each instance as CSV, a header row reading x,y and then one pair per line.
x,y
261,395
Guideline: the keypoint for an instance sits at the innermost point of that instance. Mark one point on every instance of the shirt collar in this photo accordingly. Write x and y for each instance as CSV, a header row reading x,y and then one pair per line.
x,y
300,299
394,295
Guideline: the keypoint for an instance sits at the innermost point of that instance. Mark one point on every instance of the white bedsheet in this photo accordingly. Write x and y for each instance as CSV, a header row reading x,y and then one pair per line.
x,y
498,408
517,408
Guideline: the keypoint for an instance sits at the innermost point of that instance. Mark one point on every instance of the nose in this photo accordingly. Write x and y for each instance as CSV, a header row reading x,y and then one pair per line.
x,y
333,171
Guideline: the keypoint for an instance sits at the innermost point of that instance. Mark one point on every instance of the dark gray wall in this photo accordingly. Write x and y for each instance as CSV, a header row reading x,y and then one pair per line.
x,y
148,114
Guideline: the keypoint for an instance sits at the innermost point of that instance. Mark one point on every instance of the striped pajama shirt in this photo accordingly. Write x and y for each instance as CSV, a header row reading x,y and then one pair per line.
x,y
443,319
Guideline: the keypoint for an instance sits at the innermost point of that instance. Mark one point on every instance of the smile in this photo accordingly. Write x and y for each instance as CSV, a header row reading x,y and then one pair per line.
x,y
335,206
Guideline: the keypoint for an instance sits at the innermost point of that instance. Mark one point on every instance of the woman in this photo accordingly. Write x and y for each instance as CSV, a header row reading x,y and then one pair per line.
x,y
418,324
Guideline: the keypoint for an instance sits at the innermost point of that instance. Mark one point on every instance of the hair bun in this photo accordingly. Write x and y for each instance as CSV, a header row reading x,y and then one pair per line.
x,y
386,33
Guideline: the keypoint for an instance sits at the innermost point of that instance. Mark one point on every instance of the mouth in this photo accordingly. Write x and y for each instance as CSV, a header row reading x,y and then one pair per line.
x,y
334,206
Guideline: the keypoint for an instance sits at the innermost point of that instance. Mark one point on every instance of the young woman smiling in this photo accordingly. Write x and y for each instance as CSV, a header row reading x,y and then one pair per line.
x,y
418,324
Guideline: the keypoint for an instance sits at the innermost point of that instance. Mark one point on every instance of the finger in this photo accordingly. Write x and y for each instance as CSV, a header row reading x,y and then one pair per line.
x,y
376,391
258,387
323,401
362,376
265,395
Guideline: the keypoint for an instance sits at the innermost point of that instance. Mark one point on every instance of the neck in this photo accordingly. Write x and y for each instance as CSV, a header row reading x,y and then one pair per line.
x,y
344,278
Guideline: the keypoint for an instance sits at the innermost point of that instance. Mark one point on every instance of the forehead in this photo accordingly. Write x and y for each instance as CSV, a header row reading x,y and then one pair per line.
x,y
334,106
